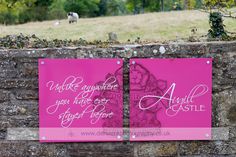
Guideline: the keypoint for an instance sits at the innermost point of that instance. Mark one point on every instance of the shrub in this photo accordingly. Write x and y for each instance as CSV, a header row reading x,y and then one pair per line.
x,y
216,26
56,10
8,18
82,7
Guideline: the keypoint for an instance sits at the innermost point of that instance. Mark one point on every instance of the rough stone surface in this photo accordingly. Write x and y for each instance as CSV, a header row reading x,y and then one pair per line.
x,y
19,100
155,149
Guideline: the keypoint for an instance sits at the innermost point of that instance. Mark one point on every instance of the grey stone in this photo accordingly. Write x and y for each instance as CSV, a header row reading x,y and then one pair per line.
x,y
155,149
25,94
19,83
220,133
112,36
4,96
12,149
3,135
225,104
22,134
28,70
100,149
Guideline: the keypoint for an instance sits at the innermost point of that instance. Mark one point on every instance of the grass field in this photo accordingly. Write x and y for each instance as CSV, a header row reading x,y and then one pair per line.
x,y
151,27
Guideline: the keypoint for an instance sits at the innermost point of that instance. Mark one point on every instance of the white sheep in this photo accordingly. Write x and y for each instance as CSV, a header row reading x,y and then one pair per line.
x,y
72,17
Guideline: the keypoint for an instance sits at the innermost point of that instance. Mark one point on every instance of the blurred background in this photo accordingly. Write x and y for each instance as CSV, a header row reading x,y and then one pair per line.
x,y
130,20
22,11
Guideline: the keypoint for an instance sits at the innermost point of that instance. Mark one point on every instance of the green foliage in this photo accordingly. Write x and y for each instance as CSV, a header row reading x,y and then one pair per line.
x,y
43,2
33,14
41,10
177,6
38,11
115,7
217,27
56,9
189,4
153,5
85,8
10,10
168,5
139,6
111,7
21,11
180,4
7,18
102,7
199,4
211,4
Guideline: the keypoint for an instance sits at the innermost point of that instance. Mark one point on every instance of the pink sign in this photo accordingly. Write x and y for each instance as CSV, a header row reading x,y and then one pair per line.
x,y
170,99
80,100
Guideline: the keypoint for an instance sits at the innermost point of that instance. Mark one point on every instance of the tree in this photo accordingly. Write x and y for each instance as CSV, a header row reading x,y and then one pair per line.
x,y
133,6
162,5
37,12
199,4
154,5
112,7
139,6
56,9
221,6
217,29
189,4
211,4
102,7
10,10
115,7
43,3
82,7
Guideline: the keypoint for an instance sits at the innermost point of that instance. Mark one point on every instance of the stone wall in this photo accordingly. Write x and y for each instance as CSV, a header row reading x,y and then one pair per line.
x,y
19,101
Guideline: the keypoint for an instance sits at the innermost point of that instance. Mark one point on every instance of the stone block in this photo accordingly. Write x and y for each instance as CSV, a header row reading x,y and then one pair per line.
x,y
144,149
9,83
